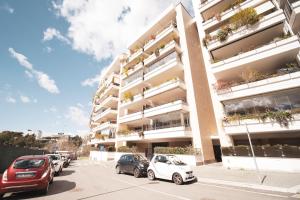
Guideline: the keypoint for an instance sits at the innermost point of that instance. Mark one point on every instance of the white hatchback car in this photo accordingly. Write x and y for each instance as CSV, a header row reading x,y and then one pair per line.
x,y
57,161
169,167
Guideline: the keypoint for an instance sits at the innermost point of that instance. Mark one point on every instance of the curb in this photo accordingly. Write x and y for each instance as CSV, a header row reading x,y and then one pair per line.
x,y
294,190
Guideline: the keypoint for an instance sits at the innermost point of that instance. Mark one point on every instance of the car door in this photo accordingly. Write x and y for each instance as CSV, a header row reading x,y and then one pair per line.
x,y
122,163
130,165
161,167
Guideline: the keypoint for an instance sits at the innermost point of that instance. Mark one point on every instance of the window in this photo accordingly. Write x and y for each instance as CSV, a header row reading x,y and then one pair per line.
x,y
27,164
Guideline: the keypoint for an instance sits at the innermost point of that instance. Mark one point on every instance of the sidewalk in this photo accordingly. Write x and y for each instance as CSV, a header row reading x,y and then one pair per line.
x,y
274,181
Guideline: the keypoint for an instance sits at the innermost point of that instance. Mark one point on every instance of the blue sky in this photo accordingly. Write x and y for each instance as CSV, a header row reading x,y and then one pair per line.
x,y
52,53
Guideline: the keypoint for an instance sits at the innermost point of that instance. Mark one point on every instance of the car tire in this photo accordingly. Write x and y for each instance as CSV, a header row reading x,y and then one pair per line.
x,y
177,179
51,181
136,173
45,190
151,175
118,171
1,196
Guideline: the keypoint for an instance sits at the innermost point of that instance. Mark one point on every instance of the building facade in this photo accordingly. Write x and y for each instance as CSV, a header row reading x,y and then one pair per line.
x,y
251,54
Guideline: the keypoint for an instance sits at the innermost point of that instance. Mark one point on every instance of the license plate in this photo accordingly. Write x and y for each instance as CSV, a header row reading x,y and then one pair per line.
x,y
25,175
190,175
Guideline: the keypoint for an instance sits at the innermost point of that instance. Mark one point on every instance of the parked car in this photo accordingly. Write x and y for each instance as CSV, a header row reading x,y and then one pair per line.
x,y
27,173
170,167
57,162
67,160
135,164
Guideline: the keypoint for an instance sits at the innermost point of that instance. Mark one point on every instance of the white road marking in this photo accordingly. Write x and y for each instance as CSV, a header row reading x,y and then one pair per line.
x,y
153,190
243,190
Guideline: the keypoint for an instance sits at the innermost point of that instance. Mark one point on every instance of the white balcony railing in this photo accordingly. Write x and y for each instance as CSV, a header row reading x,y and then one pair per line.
x,y
166,108
131,117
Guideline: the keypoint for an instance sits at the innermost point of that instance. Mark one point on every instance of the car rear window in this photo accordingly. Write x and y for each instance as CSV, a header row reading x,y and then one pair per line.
x,y
54,157
27,164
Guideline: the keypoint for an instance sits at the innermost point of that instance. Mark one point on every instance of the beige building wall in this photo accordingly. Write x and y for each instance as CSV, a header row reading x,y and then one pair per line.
x,y
202,118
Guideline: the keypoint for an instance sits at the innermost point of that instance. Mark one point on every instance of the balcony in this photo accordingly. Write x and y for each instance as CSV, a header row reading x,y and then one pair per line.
x,y
137,101
166,68
131,117
133,136
175,87
209,8
104,141
106,125
270,26
262,58
292,11
282,82
258,126
109,113
110,101
111,89
166,108
162,51
113,78
131,71
134,82
212,23
168,34
133,58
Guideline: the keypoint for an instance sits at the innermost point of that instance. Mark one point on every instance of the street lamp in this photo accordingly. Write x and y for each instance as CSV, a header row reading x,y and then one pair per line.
x,y
261,179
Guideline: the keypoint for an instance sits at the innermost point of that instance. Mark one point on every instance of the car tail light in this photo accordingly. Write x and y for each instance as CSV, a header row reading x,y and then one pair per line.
x,y
4,177
45,173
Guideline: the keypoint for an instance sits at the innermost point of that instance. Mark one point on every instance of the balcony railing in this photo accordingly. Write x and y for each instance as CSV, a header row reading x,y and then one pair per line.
x,y
161,62
133,77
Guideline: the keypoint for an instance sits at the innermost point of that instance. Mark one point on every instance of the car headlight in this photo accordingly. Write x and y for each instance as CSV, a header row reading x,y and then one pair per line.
x,y
45,173
4,177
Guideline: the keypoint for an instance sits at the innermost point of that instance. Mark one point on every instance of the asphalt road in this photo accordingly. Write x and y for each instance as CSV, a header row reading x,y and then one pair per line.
x,y
87,180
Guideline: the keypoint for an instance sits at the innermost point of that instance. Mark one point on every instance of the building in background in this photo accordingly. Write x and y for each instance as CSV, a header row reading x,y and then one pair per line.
x,y
251,55
103,122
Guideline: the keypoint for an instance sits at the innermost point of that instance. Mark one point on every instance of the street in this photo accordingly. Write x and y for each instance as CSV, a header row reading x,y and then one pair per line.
x,y
85,179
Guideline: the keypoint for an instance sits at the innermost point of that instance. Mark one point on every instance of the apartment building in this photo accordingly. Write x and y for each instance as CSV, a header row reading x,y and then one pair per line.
x,y
251,55
164,93
103,121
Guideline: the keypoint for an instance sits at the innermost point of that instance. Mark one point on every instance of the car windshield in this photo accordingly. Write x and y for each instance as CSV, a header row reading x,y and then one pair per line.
x,y
54,157
26,164
175,160
139,157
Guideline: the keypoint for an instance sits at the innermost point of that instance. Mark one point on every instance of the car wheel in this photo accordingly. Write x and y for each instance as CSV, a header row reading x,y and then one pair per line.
x,y
1,196
118,171
151,175
51,181
177,179
136,173
45,190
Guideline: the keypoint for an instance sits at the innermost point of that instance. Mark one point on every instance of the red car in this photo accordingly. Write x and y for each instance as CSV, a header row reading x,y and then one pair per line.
x,y
27,173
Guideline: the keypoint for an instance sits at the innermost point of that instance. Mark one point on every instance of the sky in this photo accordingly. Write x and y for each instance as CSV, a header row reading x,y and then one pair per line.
x,y
52,53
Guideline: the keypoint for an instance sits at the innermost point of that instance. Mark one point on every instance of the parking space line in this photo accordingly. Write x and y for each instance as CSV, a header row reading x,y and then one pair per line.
x,y
153,190
243,190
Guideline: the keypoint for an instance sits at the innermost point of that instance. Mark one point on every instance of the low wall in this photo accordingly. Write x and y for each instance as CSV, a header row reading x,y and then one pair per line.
x,y
188,159
8,154
264,163
101,155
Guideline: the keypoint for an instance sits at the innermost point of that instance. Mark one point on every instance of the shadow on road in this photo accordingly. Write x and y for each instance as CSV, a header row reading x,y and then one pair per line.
x,y
57,187
66,172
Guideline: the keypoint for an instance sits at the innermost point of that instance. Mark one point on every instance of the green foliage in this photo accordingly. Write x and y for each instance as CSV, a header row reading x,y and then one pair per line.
x,y
188,150
76,140
223,33
18,139
282,117
247,16
127,149
128,96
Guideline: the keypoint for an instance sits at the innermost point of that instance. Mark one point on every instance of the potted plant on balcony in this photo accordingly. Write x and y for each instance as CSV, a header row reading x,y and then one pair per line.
x,y
128,96
125,71
282,117
289,68
222,34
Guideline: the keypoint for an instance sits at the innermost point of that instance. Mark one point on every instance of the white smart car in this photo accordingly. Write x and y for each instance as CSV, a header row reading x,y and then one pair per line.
x,y
169,167
57,161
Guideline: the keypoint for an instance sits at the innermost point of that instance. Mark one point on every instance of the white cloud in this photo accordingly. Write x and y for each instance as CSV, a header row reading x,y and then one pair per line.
x,y
104,29
20,58
51,33
35,101
11,100
28,74
8,9
25,99
53,109
43,79
48,49
77,115
94,80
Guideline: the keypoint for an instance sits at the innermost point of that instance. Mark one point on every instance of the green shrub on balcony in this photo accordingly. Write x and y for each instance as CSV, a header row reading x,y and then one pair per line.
x,y
244,17
188,150
223,33
128,96
127,149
